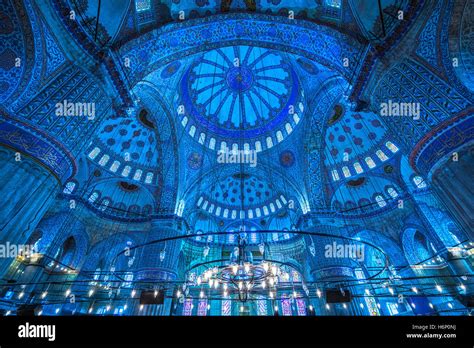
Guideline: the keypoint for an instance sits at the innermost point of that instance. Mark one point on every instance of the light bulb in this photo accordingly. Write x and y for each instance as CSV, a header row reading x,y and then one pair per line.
x,y
68,291
90,310
57,310
345,306
327,306
178,293
463,287
439,288
391,290
21,295
241,285
276,308
247,268
415,290
43,295
133,293
201,294
141,307
125,307
91,292
318,292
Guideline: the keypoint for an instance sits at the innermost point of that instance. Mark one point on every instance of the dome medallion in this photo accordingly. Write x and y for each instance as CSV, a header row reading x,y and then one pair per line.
x,y
236,93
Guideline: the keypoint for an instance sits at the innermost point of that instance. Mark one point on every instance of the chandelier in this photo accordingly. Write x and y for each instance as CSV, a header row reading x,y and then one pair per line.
x,y
241,276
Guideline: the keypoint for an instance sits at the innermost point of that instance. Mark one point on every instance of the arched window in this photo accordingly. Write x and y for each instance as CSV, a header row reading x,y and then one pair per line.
x,y
114,166
128,278
358,168
335,175
149,178
333,3
126,171
93,154
419,182
104,204
346,172
380,154
370,162
391,191
253,238
103,161
380,201
93,197
391,146
138,174
142,5
70,186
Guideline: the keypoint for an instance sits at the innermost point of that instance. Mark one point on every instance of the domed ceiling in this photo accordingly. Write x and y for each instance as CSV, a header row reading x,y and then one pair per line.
x,y
240,92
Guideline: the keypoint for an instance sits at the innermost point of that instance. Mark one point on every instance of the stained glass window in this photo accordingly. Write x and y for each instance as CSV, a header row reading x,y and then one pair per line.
x,y
142,5
103,161
391,191
138,174
226,307
380,154
419,182
381,201
286,306
104,204
370,162
188,307
126,171
114,166
202,307
333,3
358,167
93,197
391,146
70,186
346,172
149,178
262,307
93,154
301,306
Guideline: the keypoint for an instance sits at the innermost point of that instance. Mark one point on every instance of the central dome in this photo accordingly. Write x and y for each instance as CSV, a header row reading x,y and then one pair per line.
x,y
240,92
